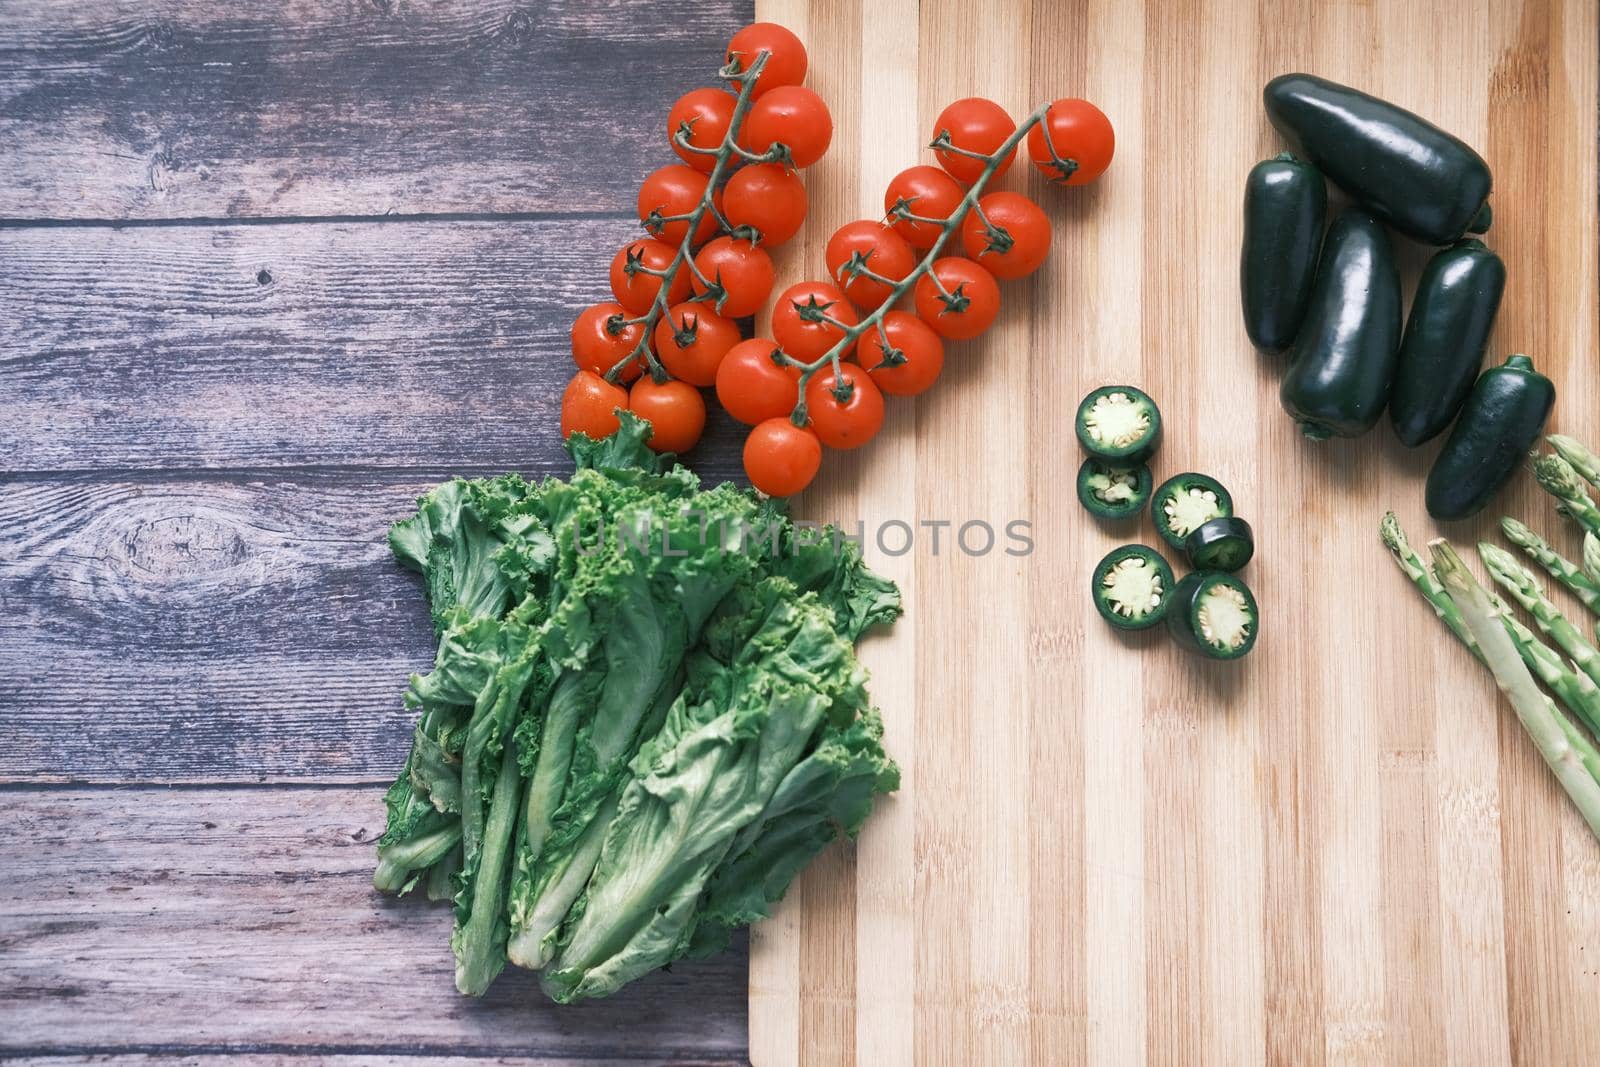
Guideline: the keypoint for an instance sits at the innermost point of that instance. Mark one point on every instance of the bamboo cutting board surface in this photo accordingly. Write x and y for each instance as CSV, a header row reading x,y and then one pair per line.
x,y
1342,849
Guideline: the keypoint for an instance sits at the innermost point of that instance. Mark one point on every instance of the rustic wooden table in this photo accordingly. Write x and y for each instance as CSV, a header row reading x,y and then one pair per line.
x,y
265,275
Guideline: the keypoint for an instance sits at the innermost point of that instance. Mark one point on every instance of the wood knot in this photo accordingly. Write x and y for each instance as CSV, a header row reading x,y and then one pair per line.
x,y
180,550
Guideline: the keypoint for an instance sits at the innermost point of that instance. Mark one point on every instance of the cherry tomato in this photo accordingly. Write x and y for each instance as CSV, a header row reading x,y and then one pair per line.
x,y
847,421
920,354
970,307
675,411
875,247
707,114
637,291
781,458
691,340
742,270
674,190
977,125
767,197
797,319
793,116
1081,134
600,341
754,387
786,59
1016,240
589,405
926,191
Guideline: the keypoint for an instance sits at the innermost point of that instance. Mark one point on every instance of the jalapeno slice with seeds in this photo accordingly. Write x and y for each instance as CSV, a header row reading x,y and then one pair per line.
x,y
1131,587
1113,490
1214,615
1185,502
1119,423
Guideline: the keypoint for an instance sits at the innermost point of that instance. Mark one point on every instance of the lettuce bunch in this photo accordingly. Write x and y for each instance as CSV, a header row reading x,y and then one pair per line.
x,y
645,716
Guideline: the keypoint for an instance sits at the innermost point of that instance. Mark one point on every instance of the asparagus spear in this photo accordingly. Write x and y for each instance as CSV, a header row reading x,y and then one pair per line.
x,y
1577,691
1584,587
1394,539
1591,557
1526,590
1582,460
1556,477
1539,716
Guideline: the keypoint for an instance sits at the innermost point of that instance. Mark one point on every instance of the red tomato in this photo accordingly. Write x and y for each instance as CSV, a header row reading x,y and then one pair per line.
x,y
786,56
781,458
753,386
926,191
742,270
703,117
674,190
968,304
847,411
977,125
1082,138
600,340
800,319
589,405
1016,240
919,354
691,340
635,289
767,197
871,246
675,411
793,116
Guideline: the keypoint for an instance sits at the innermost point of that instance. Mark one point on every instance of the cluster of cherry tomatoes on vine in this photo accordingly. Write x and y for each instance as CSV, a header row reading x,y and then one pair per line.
x,y
837,346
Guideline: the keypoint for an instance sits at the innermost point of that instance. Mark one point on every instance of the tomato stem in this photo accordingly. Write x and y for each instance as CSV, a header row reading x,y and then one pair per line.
x,y
947,226
943,143
728,150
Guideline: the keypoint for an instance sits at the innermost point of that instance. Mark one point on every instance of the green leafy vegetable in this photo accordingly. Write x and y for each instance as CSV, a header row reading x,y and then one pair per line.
x,y
644,718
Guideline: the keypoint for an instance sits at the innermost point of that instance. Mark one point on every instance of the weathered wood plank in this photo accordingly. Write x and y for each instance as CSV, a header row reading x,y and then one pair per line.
x,y
258,1058
404,344
163,921
207,630
127,109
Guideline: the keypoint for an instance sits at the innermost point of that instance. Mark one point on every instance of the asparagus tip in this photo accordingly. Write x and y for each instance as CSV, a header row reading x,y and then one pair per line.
x,y
1393,536
1448,567
1557,476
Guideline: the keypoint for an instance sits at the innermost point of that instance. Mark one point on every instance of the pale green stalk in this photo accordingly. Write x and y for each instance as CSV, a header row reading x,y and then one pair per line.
x,y
1557,477
1583,587
1538,713
1394,539
1574,452
1577,691
1525,590
1591,557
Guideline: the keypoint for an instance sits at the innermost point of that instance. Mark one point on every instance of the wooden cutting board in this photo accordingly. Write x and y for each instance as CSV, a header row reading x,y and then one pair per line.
x,y
1342,849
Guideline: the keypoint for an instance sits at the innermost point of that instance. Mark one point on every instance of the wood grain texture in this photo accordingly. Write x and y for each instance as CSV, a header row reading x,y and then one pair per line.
x,y
207,630
206,430
123,109
1340,850
442,346
165,922
233,1058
